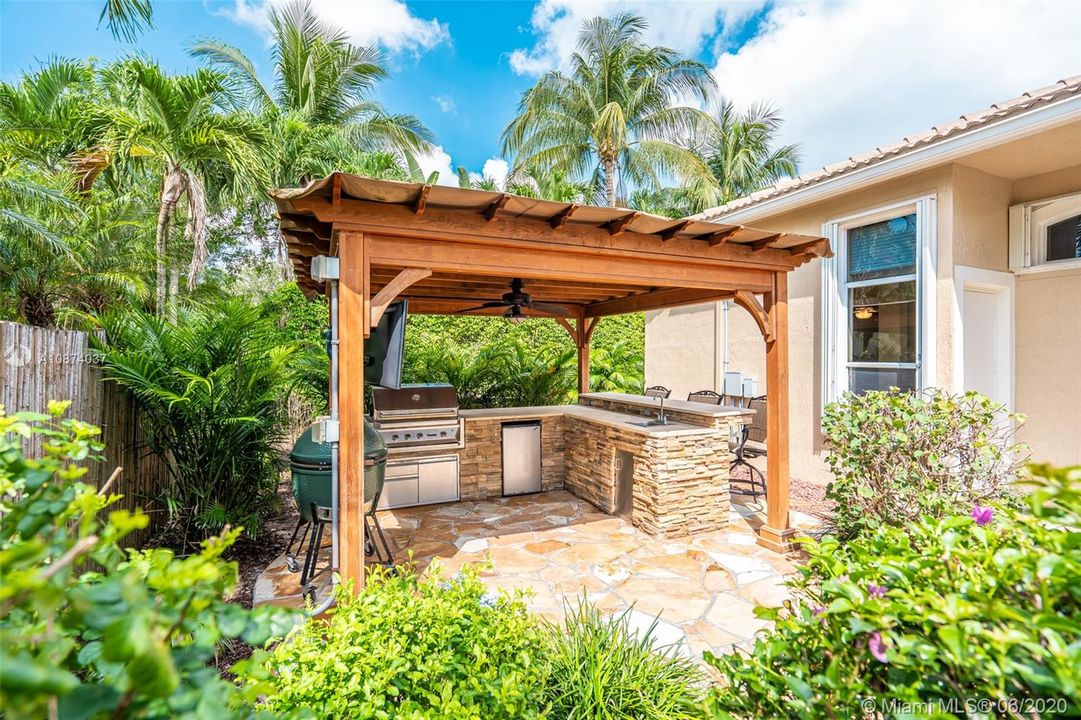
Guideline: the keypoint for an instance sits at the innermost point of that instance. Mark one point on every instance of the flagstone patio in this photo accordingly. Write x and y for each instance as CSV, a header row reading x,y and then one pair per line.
x,y
703,588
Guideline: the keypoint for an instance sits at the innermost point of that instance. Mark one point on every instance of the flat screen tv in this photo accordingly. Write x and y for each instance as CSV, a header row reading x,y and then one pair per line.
x,y
384,348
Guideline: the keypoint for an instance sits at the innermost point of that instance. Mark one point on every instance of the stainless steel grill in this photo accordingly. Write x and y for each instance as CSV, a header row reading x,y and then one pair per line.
x,y
420,416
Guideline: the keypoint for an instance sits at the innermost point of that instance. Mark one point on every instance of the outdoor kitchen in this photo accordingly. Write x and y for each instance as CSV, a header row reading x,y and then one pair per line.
x,y
666,473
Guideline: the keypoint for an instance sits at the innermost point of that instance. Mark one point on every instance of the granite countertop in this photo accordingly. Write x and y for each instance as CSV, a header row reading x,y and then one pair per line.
x,y
607,417
684,406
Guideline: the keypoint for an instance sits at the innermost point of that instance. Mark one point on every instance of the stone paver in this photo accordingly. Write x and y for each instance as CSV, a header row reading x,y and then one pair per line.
x,y
701,590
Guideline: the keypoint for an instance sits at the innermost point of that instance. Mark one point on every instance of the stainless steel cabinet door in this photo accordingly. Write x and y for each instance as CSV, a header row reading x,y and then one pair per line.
x,y
399,492
438,479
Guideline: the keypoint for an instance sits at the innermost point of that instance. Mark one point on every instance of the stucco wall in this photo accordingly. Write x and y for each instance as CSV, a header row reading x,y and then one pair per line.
x,y
980,230
972,230
1047,379
681,348
1048,364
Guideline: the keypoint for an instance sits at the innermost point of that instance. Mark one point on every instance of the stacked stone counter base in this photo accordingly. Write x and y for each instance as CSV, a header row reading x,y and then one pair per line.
x,y
680,484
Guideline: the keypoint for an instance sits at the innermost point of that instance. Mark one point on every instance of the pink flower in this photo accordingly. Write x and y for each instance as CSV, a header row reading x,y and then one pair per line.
x,y
982,515
876,591
876,646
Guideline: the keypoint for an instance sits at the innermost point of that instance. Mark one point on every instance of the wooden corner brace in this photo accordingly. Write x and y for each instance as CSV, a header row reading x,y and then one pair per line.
x,y
392,289
747,300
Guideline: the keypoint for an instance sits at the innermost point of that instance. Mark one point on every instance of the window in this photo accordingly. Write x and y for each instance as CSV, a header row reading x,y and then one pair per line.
x,y
1046,233
876,302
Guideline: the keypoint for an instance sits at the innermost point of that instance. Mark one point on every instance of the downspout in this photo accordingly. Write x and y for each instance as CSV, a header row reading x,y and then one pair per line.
x,y
329,601
720,342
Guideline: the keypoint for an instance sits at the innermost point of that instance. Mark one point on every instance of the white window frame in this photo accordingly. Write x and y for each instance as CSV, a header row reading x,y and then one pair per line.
x,y
835,298
1028,236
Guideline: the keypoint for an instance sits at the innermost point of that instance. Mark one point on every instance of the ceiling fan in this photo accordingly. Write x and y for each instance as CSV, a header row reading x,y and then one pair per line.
x,y
517,299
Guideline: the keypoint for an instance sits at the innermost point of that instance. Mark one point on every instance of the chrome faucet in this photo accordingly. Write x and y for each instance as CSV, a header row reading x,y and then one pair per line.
x,y
661,417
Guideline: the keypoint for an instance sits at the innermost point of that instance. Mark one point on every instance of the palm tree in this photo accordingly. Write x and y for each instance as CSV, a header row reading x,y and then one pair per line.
x,y
321,89
612,117
739,150
551,185
127,18
177,126
50,119
674,202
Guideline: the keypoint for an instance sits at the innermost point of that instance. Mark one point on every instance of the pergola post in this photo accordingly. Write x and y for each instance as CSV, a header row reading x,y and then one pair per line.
x,y
582,341
353,327
776,534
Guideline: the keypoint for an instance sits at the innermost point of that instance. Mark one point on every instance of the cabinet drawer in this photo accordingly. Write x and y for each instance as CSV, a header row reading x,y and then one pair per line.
x,y
438,479
399,492
401,468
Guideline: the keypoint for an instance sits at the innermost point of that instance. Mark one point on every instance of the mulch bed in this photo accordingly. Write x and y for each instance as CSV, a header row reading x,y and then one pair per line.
x,y
803,495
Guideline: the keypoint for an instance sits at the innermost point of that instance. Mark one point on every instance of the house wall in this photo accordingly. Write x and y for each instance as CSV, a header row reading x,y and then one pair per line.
x,y
1047,381
747,350
972,211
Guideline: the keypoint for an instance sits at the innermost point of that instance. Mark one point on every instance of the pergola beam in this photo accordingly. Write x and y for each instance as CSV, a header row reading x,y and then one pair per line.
x,y
618,225
443,224
549,263
560,219
656,300
495,207
670,232
721,236
763,243
422,200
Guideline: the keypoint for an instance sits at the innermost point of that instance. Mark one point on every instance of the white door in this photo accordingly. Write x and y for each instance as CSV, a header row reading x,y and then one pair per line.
x,y
981,331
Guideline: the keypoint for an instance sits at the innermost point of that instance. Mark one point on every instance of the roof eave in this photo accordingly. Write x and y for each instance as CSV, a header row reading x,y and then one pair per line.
x,y
938,153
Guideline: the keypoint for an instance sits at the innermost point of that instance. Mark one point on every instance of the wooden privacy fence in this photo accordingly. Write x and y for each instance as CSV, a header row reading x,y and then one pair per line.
x,y
41,364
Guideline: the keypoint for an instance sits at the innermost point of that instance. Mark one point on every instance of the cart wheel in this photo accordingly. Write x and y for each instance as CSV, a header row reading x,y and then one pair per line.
x,y
292,564
369,548
309,592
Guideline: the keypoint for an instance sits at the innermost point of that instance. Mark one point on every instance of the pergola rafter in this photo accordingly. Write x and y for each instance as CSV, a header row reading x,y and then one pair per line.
x,y
448,249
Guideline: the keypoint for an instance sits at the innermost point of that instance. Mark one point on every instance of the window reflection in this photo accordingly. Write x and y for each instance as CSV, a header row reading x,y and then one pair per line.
x,y
883,323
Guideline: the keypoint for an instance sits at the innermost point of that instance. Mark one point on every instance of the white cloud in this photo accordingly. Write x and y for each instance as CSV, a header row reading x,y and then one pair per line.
x,y
497,169
445,103
438,160
388,23
852,77
678,24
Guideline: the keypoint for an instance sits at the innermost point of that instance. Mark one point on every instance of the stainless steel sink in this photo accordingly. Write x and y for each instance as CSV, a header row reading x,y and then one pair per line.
x,y
652,422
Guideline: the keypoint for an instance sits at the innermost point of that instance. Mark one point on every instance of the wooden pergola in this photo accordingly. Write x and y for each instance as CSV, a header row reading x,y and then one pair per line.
x,y
447,249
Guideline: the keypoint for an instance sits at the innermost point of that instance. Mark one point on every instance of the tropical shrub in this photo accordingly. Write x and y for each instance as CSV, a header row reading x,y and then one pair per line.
x,y
410,648
974,615
210,385
87,631
617,367
897,456
601,668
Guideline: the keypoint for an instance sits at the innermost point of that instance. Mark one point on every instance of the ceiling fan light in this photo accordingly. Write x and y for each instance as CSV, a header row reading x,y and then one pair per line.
x,y
514,314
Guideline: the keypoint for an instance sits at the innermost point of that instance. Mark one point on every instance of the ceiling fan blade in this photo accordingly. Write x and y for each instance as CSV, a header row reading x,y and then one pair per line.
x,y
550,309
485,306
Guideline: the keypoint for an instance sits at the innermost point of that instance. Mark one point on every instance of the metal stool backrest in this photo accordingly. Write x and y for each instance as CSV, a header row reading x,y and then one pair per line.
x,y
756,429
658,391
705,396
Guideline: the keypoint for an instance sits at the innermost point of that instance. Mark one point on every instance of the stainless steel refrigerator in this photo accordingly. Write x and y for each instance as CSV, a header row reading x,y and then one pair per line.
x,y
521,458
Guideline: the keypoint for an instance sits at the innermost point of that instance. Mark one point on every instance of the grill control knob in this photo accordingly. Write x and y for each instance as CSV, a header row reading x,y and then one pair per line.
x,y
443,434
394,437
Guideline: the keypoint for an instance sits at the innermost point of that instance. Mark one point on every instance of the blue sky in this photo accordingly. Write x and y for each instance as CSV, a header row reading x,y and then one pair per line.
x,y
848,76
